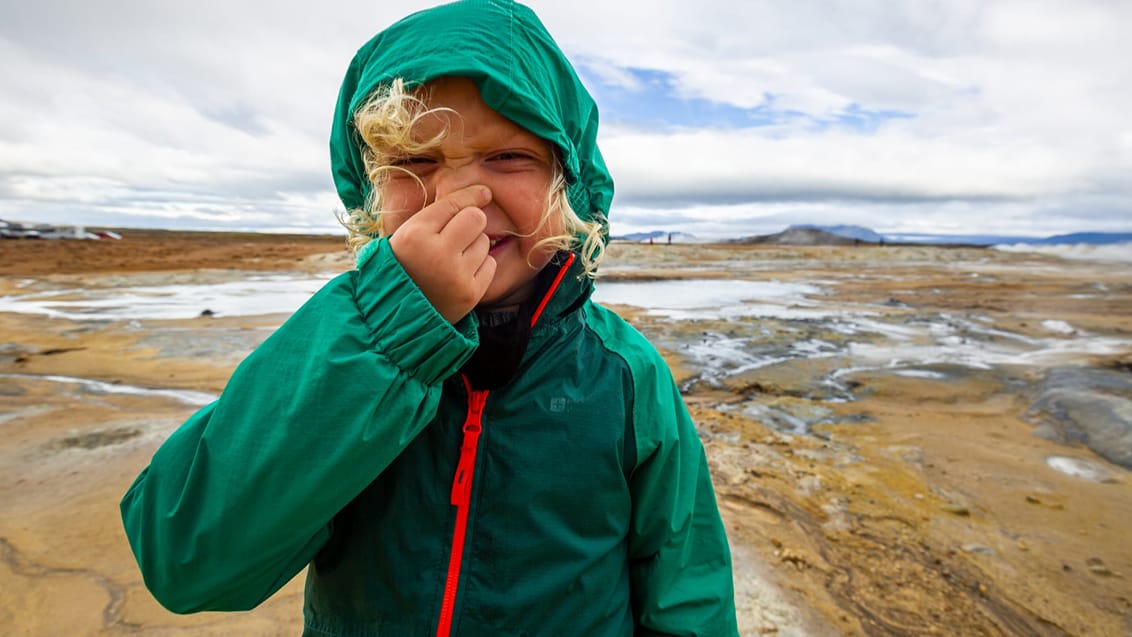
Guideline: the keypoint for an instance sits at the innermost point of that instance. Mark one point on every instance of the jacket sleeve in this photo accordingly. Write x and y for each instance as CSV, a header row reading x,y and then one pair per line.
x,y
680,563
241,497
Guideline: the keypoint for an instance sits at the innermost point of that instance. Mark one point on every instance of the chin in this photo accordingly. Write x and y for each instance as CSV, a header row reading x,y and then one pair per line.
x,y
506,295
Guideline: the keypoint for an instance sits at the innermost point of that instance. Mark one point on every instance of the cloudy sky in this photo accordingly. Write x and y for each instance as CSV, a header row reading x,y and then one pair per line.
x,y
720,117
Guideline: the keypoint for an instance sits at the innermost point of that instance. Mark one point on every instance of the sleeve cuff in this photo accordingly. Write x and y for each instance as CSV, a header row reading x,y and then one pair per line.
x,y
405,326
366,252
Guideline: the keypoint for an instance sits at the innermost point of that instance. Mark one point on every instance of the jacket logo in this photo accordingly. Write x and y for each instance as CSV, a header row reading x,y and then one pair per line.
x,y
558,405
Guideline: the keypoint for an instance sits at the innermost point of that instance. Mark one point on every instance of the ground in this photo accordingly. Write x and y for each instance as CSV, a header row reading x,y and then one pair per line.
x,y
861,498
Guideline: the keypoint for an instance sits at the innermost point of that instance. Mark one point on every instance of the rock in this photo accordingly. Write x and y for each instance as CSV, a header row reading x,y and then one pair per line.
x,y
957,509
1087,405
978,549
1097,567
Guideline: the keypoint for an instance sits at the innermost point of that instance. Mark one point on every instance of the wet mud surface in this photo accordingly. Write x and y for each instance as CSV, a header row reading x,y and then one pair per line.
x,y
905,441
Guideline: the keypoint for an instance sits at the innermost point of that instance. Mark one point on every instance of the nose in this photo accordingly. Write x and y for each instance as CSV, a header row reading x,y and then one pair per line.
x,y
454,174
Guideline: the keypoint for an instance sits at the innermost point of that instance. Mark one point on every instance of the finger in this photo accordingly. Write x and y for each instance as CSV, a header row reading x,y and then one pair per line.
x,y
477,250
472,259
464,229
437,214
484,275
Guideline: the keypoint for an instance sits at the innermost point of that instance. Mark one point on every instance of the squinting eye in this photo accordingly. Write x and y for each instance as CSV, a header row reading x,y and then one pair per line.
x,y
509,156
410,162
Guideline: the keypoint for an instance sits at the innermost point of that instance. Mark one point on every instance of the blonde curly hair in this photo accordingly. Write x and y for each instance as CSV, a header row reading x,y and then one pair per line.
x,y
385,123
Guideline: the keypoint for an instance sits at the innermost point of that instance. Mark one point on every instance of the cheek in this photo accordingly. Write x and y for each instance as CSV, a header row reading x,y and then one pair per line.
x,y
400,199
527,206
554,225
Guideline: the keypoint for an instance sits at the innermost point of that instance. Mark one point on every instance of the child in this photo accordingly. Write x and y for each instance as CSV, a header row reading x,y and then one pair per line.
x,y
453,436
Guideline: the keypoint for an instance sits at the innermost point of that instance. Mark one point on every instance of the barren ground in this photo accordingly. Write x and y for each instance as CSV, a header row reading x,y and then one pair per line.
x,y
923,505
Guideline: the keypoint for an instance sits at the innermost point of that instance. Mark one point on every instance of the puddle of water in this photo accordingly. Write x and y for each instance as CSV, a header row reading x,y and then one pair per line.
x,y
275,294
921,373
861,324
188,397
983,354
1061,327
1078,468
688,299
720,356
779,419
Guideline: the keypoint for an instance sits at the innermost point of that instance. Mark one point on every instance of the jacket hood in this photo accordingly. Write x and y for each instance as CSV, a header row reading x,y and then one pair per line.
x,y
521,74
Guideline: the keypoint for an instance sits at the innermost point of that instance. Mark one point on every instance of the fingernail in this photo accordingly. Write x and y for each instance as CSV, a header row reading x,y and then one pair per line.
x,y
483,194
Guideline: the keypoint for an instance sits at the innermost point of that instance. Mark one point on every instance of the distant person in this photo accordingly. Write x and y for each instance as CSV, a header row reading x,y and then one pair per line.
x,y
453,436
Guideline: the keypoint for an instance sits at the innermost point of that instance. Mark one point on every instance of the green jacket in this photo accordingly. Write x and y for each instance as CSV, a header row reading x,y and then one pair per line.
x,y
336,443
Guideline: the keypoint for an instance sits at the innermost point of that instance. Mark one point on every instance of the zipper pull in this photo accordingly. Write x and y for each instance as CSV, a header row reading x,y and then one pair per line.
x,y
462,483
473,426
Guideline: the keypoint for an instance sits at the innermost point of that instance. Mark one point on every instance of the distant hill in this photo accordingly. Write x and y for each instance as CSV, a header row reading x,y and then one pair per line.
x,y
850,232
867,235
956,239
1077,238
802,236
1088,238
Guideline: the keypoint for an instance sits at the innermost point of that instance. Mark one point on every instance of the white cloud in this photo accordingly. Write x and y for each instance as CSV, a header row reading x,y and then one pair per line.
x,y
894,164
1018,111
218,112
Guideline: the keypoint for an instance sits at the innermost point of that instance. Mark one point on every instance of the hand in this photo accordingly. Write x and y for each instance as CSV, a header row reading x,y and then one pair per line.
x,y
443,248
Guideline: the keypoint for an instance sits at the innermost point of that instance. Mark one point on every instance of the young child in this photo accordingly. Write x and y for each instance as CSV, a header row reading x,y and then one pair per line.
x,y
453,437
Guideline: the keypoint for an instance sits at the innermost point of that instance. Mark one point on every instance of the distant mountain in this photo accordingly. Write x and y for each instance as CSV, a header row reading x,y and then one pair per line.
x,y
1077,238
866,235
1088,238
850,232
957,239
802,236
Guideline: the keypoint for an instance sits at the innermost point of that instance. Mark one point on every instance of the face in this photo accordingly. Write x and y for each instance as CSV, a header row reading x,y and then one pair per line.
x,y
481,147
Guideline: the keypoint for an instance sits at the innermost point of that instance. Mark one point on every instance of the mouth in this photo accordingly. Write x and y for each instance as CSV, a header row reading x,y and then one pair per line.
x,y
498,241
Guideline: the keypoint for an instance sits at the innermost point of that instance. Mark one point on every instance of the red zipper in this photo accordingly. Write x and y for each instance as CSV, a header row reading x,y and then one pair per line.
x,y
462,482
461,499
553,287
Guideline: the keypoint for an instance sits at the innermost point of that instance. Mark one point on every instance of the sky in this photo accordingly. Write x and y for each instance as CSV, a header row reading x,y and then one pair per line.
x,y
718,118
